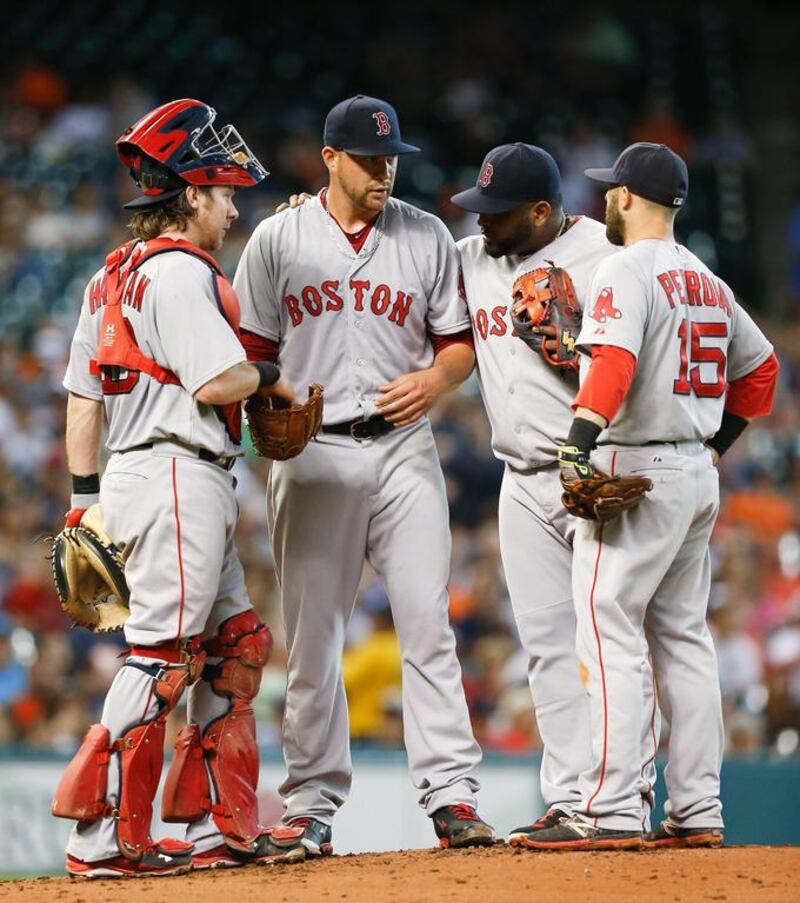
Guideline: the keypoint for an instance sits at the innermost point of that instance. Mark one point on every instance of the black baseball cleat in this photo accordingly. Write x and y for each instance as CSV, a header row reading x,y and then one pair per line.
x,y
668,835
573,834
551,819
316,837
459,826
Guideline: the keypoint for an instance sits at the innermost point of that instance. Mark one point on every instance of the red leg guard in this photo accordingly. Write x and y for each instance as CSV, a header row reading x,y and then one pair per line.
x,y
141,756
244,644
81,792
187,792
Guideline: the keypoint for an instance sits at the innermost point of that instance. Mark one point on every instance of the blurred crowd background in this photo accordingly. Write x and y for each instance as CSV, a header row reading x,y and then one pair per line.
x,y
580,82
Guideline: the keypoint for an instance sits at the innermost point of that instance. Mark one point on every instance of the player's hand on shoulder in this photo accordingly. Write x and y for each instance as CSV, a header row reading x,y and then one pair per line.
x,y
405,399
295,200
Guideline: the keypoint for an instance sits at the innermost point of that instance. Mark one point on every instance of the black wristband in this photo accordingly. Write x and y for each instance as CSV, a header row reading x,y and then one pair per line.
x,y
267,374
583,434
85,485
731,427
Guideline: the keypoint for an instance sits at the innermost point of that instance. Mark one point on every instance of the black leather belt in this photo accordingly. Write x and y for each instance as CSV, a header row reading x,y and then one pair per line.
x,y
361,429
202,453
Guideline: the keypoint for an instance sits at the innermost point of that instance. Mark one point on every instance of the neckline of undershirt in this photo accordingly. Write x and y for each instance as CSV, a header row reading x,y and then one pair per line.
x,y
357,239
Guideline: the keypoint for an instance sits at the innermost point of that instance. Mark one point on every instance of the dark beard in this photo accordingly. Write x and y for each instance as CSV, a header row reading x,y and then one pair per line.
x,y
615,228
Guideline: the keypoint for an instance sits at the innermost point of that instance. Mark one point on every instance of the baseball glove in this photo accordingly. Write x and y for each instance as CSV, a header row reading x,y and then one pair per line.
x,y
280,431
89,573
602,497
546,297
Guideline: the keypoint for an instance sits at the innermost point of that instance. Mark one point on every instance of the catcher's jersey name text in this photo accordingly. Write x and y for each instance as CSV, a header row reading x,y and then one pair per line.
x,y
135,287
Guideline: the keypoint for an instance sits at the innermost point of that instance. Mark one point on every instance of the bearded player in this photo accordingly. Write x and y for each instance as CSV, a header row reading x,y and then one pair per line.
x,y
525,232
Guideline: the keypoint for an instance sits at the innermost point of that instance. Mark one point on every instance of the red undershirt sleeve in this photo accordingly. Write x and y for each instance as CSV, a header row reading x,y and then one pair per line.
x,y
440,342
607,382
258,348
752,395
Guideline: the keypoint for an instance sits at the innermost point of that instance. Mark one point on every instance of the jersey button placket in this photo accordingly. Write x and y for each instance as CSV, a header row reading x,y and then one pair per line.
x,y
357,337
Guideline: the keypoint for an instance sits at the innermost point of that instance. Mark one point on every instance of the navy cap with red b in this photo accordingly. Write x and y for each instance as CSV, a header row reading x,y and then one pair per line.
x,y
652,171
512,175
366,127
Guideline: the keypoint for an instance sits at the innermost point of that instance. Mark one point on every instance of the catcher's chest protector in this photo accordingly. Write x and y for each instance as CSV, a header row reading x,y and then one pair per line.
x,y
117,346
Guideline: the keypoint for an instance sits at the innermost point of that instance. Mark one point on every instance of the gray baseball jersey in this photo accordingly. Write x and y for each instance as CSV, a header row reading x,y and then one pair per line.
x,y
352,322
172,308
646,575
355,321
528,403
181,567
662,303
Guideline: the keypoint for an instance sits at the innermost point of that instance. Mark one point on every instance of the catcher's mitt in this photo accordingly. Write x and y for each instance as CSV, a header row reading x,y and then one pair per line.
x,y
602,497
546,297
280,431
89,573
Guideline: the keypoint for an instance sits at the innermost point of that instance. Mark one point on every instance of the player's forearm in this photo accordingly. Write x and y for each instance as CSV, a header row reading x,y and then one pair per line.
x,y
454,364
237,383
84,427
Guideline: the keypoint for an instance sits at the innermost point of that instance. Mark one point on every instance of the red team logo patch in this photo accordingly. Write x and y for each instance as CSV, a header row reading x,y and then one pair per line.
x,y
485,178
604,307
382,121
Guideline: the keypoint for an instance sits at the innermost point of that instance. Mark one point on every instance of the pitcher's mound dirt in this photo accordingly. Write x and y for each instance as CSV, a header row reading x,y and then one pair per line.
x,y
735,874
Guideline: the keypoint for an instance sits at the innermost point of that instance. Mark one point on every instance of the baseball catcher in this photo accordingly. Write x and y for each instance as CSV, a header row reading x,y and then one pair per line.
x,y
157,358
279,430
546,315
88,569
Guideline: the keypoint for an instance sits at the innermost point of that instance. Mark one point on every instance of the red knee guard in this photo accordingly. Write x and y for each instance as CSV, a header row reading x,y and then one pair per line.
x,y
229,743
244,644
81,792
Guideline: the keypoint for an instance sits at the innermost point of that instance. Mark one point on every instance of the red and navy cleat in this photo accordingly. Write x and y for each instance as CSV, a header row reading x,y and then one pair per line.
x,y
219,857
459,826
165,857
317,836
551,819
280,844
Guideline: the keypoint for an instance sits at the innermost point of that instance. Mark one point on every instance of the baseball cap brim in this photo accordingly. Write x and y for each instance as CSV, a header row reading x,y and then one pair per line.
x,y
476,201
383,150
601,175
149,200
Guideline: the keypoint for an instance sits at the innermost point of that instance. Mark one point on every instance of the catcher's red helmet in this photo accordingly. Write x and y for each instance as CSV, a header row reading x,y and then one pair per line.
x,y
176,144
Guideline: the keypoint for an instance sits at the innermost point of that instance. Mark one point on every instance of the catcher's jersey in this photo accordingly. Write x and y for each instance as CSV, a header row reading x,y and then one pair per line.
x,y
663,304
351,321
171,305
527,400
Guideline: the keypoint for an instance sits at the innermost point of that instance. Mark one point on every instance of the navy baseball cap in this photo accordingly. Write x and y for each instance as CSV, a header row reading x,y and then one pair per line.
x,y
511,175
652,171
365,126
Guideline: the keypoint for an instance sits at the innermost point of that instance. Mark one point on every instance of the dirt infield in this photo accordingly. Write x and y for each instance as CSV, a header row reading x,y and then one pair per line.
x,y
763,874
